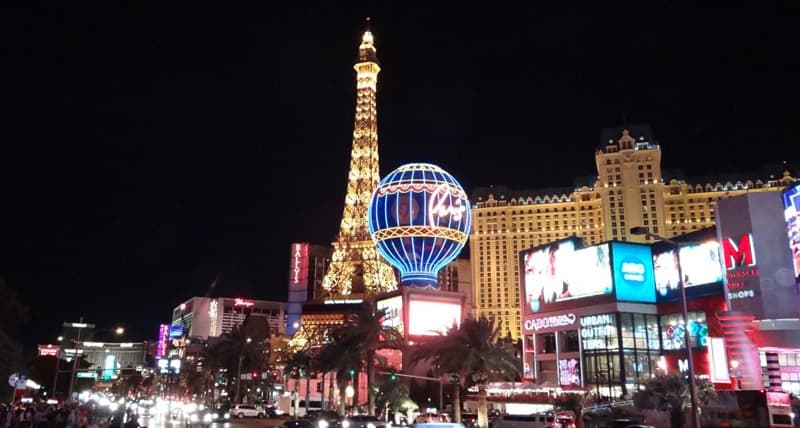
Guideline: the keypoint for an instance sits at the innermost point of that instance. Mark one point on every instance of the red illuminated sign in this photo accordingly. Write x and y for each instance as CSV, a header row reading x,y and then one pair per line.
x,y
48,350
163,336
242,302
739,255
780,399
298,265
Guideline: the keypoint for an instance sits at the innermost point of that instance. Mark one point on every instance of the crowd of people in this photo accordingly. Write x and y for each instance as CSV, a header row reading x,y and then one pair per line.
x,y
63,415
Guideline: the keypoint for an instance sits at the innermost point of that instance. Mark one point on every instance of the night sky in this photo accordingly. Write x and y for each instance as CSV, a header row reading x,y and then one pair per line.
x,y
147,148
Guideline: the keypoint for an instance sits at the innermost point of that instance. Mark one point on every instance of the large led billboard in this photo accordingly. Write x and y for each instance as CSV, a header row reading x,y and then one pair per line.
x,y
431,317
560,272
791,212
700,265
633,272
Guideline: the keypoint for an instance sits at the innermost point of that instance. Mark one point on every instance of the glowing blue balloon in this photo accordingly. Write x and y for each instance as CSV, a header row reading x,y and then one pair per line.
x,y
419,219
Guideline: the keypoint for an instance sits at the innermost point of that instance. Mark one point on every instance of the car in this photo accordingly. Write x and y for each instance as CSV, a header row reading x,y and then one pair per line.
x,y
247,411
470,420
299,423
363,421
324,419
426,418
205,418
536,420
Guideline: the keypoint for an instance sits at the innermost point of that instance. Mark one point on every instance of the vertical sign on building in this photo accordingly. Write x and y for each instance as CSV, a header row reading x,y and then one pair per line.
x,y
759,277
298,284
163,337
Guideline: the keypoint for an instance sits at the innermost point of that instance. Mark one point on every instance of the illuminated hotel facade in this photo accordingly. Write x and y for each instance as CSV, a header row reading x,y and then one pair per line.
x,y
204,317
630,189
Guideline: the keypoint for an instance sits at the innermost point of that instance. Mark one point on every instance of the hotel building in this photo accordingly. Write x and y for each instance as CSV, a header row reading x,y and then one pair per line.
x,y
630,189
204,317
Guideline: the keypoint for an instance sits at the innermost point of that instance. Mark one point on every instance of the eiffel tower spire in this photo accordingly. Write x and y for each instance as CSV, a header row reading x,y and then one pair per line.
x,y
356,267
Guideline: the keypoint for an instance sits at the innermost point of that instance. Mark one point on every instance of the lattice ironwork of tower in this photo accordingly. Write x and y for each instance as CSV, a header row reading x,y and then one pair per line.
x,y
356,267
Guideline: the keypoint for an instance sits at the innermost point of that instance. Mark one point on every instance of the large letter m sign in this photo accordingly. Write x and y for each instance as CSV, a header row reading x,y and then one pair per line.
x,y
739,255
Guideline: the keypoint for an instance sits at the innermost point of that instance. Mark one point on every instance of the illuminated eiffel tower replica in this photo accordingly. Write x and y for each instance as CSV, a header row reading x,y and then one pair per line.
x,y
356,269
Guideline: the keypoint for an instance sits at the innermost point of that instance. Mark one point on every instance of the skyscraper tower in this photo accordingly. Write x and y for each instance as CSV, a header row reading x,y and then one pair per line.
x,y
356,267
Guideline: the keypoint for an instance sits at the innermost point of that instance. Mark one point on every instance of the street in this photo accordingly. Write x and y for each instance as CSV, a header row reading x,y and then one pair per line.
x,y
233,423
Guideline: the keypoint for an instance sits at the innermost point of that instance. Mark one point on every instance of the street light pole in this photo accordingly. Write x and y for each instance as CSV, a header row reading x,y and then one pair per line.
x,y
641,230
239,371
72,374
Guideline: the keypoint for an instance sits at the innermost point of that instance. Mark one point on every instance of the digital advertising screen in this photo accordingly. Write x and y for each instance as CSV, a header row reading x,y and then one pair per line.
x,y
431,317
560,272
394,312
633,272
569,372
700,262
791,212
175,331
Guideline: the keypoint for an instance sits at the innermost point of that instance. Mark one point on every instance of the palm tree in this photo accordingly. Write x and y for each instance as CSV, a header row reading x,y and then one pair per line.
x,y
366,331
470,350
298,366
238,352
339,357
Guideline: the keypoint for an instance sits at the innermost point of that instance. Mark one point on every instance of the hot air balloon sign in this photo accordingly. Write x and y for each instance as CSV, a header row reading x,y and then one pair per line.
x,y
419,218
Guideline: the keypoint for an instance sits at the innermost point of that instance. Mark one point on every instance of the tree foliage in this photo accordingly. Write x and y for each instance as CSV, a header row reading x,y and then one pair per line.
x,y
471,350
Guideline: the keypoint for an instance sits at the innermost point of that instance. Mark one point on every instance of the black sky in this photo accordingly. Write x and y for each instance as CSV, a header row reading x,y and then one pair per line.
x,y
147,147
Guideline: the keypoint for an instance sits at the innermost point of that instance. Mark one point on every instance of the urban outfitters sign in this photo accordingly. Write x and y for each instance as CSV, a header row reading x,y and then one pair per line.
x,y
597,330
562,320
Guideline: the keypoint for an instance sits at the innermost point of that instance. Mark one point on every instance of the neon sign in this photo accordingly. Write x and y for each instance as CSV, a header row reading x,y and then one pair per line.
x,y
419,219
298,271
212,315
163,334
562,320
48,350
438,207
739,255
242,302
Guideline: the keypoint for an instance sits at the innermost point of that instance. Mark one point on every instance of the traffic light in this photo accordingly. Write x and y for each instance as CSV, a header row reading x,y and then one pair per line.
x,y
352,372
393,377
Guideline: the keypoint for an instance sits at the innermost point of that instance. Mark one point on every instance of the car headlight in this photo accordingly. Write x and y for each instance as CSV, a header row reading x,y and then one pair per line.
x,y
208,417
193,417
370,425
345,424
322,423
226,416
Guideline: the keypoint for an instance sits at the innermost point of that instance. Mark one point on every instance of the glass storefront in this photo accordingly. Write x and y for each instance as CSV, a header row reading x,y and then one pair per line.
x,y
613,354
673,331
620,351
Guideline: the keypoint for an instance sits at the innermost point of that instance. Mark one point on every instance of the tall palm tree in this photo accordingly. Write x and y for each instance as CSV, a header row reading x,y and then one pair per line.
x,y
298,366
339,357
365,330
238,352
472,351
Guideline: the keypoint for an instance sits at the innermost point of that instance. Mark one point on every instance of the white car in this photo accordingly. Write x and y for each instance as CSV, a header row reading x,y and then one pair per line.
x,y
247,411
